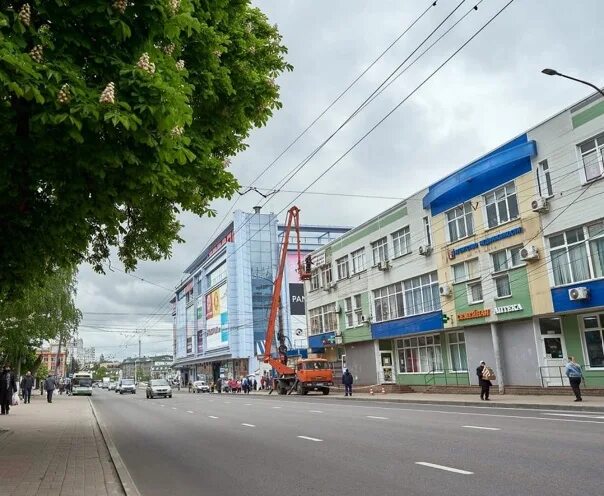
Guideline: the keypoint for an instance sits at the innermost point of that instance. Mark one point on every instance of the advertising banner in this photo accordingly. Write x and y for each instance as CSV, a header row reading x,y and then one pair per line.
x,y
199,342
190,328
217,318
295,302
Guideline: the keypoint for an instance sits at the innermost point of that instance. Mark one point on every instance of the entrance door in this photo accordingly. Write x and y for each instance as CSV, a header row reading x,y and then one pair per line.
x,y
387,367
553,351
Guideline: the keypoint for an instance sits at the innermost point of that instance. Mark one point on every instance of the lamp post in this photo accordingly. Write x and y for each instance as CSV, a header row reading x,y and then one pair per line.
x,y
553,72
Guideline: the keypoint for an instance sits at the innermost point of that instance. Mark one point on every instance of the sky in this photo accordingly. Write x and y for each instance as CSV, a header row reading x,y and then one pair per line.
x,y
490,92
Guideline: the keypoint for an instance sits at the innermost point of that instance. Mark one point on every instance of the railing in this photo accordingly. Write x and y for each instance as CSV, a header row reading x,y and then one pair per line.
x,y
555,375
447,377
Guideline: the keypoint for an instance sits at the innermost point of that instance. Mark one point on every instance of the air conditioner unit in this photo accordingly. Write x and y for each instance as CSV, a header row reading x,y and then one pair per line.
x,y
383,265
580,293
425,250
540,204
364,318
529,253
444,290
338,308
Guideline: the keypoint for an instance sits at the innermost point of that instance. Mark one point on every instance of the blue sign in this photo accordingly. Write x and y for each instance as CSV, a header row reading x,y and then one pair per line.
x,y
485,241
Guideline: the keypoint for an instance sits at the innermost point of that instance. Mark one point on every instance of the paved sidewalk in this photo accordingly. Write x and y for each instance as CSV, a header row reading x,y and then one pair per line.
x,y
55,449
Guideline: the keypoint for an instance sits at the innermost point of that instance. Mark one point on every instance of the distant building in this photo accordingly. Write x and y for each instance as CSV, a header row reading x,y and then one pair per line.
x,y
49,355
155,367
89,356
75,349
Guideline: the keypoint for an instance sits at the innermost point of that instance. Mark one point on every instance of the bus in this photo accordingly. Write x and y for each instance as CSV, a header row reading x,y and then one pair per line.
x,y
81,383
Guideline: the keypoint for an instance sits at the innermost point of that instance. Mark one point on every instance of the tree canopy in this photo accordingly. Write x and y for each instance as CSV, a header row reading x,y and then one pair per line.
x,y
116,115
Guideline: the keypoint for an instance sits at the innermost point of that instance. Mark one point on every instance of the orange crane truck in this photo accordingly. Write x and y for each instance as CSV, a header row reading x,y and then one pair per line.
x,y
309,374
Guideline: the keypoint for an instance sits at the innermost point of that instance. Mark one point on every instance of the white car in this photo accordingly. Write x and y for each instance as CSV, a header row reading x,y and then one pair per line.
x,y
200,387
159,387
112,386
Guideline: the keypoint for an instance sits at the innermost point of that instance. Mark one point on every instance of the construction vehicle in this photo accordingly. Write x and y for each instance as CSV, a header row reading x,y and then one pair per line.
x,y
309,374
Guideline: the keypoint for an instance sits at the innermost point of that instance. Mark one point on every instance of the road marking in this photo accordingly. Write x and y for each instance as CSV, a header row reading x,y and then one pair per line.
x,y
377,418
227,402
212,417
315,411
173,408
316,440
249,425
483,428
576,415
189,411
247,404
443,467
276,407
162,405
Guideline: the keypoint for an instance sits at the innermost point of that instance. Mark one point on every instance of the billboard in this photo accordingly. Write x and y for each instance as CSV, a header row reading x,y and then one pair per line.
x,y
190,328
295,302
217,318
200,326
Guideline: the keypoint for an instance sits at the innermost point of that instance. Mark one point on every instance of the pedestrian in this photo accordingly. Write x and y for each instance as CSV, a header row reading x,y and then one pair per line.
x,y
262,383
347,380
255,385
27,383
49,385
485,376
8,387
574,374
219,385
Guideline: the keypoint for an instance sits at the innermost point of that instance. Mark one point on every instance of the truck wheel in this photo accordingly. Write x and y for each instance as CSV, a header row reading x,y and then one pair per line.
x,y
282,390
325,391
301,389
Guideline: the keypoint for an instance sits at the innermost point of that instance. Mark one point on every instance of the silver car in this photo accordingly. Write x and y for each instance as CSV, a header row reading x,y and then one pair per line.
x,y
159,387
127,386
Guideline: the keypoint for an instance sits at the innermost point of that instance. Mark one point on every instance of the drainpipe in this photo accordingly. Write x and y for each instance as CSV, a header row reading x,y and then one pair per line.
x,y
498,362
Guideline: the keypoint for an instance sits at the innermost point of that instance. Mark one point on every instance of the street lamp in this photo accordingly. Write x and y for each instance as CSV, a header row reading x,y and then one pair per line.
x,y
553,72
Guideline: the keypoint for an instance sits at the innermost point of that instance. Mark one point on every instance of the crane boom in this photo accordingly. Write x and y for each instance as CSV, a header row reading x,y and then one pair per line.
x,y
280,365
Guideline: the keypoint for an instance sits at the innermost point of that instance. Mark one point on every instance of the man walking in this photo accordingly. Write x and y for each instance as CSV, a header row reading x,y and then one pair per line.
x,y
574,374
8,386
27,383
347,380
484,374
49,385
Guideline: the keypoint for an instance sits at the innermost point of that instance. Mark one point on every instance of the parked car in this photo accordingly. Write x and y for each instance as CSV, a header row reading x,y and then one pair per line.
x,y
201,387
127,386
158,387
112,386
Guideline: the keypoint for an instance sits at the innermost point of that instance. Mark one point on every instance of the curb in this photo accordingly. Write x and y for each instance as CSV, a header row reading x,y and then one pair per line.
x,y
484,404
125,478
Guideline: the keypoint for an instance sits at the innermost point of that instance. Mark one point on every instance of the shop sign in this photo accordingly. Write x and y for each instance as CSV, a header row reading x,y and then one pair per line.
x,y
229,238
474,314
484,242
318,260
509,308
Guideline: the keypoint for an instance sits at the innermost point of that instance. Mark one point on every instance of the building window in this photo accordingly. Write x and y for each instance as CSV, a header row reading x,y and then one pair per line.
x,y
592,152
428,231
358,261
342,267
315,280
502,286
457,350
506,259
460,223
354,312
326,276
388,302
421,294
593,333
380,250
323,319
401,242
544,180
501,205
578,254
475,293
419,354
465,271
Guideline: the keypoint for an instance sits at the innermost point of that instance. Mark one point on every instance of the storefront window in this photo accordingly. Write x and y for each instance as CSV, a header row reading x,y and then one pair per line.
x,y
457,351
593,330
419,354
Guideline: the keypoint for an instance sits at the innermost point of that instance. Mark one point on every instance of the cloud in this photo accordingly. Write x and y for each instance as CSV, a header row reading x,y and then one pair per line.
x,y
492,91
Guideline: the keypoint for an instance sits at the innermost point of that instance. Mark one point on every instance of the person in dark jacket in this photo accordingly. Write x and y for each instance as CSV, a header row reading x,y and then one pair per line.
x,y
8,386
347,380
27,384
49,385
484,384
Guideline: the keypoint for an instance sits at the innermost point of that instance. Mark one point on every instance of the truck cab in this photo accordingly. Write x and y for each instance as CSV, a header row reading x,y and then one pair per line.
x,y
313,374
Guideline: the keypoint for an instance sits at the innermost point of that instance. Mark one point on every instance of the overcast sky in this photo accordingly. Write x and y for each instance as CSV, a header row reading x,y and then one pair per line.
x,y
492,91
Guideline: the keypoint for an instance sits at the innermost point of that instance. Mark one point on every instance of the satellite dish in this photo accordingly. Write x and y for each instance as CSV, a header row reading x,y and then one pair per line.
x,y
299,332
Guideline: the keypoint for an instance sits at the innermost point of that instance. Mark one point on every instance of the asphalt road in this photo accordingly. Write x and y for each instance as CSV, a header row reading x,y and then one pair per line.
x,y
210,444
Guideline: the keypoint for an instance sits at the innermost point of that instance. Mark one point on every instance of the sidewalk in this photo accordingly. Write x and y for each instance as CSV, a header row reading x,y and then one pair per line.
x,y
55,449
540,402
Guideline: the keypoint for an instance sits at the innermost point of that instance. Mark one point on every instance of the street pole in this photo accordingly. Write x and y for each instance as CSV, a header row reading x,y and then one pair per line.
x,y
553,72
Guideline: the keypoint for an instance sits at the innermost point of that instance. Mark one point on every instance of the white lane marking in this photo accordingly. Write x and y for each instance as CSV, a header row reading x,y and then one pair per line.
x,y
316,440
189,411
443,467
227,402
162,405
212,417
483,428
576,415
377,418
276,407
173,408
247,404
315,411
249,425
